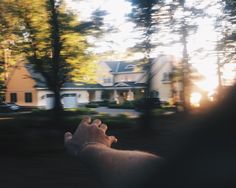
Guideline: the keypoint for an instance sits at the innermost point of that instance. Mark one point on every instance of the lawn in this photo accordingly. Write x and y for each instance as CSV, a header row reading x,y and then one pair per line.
x,y
33,155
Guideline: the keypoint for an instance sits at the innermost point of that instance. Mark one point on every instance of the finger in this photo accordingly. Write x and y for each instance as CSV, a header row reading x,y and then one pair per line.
x,y
113,139
84,122
97,122
86,119
67,137
103,127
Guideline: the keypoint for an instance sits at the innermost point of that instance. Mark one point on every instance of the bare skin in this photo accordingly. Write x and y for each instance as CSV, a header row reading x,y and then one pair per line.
x,y
88,133
116,168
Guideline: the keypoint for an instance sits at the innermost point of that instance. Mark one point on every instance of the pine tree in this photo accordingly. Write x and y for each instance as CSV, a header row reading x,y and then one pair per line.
x,y
144,15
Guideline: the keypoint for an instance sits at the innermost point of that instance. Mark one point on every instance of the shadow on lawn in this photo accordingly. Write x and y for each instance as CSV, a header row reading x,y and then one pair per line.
x,y
32,150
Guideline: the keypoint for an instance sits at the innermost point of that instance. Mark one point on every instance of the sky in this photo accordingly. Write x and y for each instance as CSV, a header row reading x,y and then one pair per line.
x,y
205,38
116,18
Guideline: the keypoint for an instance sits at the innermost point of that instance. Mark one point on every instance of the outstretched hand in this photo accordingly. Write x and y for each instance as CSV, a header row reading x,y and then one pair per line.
x,y
88,133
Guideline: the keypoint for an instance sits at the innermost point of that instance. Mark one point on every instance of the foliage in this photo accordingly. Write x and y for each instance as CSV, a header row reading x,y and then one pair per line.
x,y
99,103
106,94
47,36
92,105
8,50
226,36
143,16
144,103
124,105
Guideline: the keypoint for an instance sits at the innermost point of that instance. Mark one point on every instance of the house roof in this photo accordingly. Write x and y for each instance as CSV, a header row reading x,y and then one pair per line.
x,y
80,85
115,66
129,85
99,86
121,66
38,78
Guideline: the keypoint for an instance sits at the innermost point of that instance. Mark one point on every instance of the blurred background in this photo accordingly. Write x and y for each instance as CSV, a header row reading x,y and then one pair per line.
x,y
142,66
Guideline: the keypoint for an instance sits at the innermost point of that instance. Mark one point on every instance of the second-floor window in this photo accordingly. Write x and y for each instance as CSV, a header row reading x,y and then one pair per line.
x,y
166,77
129,67
13,97
28,97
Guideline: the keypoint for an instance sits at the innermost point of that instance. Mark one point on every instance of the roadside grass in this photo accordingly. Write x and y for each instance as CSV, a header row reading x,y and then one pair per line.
x,y
66,112
32,146
41,132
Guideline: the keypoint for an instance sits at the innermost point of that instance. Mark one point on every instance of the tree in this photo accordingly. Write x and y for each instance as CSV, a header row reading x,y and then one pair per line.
x,y
226,37
52,44
8,51
144,15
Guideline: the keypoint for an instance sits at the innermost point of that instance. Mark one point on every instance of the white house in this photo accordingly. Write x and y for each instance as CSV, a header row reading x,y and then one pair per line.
x,y
163,80
116,80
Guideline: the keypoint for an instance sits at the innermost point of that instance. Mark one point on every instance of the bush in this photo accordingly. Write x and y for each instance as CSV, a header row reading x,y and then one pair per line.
x,y
128,105
92,105
96,104
103,103
145,103
125,105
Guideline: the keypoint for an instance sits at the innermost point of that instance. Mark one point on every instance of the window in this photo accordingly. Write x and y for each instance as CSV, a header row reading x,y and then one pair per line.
x,y
49,95
28,97
68,95
13,97
166,77
129,67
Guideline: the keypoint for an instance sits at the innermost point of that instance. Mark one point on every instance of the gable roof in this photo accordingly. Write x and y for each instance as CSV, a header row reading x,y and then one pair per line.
x,y
121,66
40,82
36,76
39,79
81,85
132,84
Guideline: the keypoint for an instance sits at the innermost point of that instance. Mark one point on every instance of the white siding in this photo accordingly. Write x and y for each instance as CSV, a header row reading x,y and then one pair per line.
x,y
163,65
98,95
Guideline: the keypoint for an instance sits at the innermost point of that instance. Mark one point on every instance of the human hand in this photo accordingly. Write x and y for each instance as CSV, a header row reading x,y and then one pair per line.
x,y
88,133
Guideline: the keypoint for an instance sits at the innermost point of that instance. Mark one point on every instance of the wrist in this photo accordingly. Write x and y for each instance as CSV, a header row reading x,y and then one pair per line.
x,y
87,145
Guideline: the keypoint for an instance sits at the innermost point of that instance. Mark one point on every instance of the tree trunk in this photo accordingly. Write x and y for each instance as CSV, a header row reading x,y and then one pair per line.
x,y
57,101
146,118
56,52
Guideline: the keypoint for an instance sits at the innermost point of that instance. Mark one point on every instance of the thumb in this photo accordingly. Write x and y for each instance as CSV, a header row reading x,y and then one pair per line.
x,y
67,137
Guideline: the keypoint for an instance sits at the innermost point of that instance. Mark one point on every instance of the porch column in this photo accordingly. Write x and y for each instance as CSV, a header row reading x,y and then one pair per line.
x,y
98,95
130,95
115,96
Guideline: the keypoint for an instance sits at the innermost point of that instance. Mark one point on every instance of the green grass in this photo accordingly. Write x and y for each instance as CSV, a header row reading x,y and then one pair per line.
x,y
40,133
66,112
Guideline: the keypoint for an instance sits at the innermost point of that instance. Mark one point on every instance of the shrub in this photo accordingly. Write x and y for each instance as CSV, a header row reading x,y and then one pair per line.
x,y
92,105
125,105
145,103
105,102
128,105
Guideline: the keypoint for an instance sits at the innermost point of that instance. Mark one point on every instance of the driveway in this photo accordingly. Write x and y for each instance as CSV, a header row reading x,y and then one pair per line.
x,y
114,112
